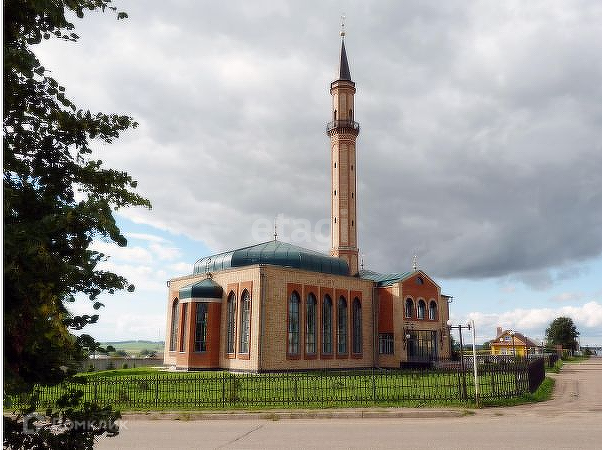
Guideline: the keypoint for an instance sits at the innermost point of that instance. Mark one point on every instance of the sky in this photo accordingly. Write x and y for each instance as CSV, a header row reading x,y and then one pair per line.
x,y
480,149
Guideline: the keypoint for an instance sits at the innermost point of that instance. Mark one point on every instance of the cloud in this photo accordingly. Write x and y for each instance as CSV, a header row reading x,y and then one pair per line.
x,y
116,253
146,237
533,321
567,297
481,141
181,268
164,252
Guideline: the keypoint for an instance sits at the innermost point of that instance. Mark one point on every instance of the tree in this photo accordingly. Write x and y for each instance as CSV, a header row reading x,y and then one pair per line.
x,y
57,199
562,331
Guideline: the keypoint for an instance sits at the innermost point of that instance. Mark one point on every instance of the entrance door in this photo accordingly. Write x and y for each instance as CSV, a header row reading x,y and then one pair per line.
x,y
422,346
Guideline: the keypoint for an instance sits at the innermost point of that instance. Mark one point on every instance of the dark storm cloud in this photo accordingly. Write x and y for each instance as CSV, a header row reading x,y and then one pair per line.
x,y
481,142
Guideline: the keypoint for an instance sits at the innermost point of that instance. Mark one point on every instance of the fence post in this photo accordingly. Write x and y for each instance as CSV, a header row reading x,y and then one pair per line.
x,y
95,390
373,387
223,389
157,390
295,391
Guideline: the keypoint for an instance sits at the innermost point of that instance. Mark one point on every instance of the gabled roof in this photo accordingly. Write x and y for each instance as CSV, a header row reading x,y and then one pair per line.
x,y
383,279
274,253
521,337
388,279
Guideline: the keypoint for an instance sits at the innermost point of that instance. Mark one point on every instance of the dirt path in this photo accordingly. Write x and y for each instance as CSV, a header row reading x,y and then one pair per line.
x,y
578,390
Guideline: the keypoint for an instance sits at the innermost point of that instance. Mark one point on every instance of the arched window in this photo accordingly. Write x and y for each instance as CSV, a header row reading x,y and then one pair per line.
x,y
350,114
433,310
293,323
200,328
409,308
183,331
173,336
231,322
421,309
357,326
342,325
334,115
245,322
327,325
310,325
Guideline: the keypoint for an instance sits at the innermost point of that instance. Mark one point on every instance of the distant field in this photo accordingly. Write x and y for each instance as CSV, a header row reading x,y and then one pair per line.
x,y
136,346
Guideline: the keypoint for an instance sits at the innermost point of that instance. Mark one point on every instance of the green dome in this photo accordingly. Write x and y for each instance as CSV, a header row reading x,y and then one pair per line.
x,y
205,289
274,253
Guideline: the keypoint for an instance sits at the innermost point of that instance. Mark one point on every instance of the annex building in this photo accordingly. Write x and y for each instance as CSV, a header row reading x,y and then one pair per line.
x,y
275,306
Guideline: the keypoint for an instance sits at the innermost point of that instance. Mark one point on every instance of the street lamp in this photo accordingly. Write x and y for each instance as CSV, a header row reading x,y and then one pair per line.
x,y
512,332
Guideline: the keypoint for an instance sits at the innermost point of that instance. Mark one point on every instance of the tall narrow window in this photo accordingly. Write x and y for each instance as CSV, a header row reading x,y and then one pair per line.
x,y
293,324
310,325
327,325
342,325
173,338
184,330
231,318
245,321
433,310
409,308
357,326
200,328
421,308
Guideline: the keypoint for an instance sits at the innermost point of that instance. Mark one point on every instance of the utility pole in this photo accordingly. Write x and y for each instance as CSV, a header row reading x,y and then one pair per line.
x,y
462,367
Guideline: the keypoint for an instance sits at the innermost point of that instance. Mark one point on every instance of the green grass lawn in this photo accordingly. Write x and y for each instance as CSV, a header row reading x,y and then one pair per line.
x,y
143,389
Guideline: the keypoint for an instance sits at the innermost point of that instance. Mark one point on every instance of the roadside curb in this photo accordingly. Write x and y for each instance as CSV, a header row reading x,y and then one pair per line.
x,y
299,414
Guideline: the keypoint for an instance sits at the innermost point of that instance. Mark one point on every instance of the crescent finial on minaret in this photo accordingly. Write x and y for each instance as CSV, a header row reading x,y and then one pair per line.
x,y
343,25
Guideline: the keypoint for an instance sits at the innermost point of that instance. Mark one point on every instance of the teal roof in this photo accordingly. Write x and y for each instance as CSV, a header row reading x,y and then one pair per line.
x,y
206,288
274,253
383,279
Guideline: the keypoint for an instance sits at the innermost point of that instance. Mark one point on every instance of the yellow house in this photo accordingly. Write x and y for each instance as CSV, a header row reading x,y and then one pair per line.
x,y
510,342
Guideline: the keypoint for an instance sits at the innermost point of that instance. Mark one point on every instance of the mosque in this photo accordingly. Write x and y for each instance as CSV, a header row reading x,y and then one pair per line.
x,y
275,306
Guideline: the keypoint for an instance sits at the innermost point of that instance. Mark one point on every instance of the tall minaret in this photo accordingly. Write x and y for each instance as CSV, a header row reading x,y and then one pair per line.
x,y
343,131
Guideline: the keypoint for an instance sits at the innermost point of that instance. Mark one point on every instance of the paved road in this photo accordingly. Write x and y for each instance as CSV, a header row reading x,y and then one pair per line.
x,y
571,420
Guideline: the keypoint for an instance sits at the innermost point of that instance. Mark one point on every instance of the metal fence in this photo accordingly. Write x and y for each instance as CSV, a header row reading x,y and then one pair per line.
x,y
446,383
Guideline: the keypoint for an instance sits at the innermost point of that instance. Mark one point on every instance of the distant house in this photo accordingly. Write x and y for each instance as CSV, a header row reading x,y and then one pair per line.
x,y
509,342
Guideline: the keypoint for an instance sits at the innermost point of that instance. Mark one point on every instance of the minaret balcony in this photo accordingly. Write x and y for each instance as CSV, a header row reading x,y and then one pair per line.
x,y
343,125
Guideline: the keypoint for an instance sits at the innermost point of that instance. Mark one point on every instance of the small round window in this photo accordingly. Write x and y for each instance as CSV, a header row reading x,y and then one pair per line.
x,y
419,280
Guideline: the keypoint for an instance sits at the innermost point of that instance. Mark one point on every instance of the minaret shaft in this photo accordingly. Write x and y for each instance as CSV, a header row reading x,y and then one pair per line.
x,y
343,131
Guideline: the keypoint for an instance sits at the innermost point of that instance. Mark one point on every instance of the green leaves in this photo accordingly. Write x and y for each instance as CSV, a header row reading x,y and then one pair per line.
x,y
47,228
47,232
562,331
